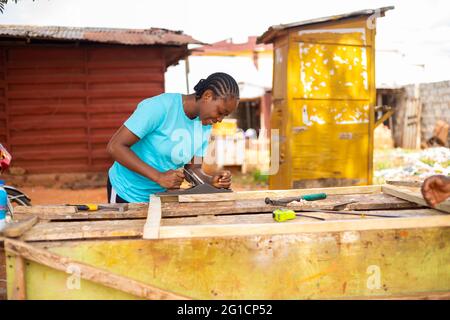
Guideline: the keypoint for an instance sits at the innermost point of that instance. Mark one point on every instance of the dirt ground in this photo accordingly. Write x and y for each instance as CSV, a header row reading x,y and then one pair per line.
x,y
44,195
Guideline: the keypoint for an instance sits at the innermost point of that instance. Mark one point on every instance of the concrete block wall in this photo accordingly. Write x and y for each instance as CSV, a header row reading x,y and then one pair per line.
x,y
435,99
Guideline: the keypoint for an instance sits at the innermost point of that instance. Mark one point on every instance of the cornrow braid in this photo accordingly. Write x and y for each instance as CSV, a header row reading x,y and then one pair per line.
x,y
221,84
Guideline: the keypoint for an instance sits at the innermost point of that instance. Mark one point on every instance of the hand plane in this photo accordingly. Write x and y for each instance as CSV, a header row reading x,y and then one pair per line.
x,y
199,186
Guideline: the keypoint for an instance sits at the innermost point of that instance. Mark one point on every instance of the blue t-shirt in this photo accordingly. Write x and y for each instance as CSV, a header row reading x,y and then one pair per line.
x,y
168,141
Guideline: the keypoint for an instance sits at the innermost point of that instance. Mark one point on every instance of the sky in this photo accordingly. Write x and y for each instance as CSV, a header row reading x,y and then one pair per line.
x,y
413,40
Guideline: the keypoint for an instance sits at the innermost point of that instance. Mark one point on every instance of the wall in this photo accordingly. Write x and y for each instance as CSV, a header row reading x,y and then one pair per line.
x,y
60,105
435,100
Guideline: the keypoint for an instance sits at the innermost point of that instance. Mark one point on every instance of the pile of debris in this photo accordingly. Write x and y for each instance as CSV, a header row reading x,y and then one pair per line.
x,y
413,165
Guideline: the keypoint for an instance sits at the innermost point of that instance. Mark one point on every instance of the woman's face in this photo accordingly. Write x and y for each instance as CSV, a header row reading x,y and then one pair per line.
x,y
214,110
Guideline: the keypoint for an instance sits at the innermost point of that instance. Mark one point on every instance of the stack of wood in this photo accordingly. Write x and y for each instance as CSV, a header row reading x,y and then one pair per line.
x,y
228,213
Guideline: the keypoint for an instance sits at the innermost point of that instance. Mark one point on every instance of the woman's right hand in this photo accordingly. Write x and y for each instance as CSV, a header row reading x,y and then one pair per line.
x,y
171,179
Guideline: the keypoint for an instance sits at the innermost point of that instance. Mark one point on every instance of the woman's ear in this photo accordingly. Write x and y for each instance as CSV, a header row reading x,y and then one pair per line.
x,y
208,95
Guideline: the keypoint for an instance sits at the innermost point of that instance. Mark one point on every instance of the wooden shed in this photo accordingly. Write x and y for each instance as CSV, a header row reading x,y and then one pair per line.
x,y
323,99
64,91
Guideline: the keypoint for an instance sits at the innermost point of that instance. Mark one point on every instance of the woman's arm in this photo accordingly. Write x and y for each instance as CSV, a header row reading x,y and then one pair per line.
x,y
220,179
119,149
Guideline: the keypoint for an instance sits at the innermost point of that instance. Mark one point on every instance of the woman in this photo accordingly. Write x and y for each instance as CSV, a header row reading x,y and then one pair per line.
x,y
164,134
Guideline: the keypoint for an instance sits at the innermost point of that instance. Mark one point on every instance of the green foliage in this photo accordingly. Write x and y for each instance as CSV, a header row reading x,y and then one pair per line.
x,y
5,2
259,177
381,165
428,161
445,164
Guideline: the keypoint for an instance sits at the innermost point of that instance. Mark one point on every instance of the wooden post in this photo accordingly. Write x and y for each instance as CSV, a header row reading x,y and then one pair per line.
x,y
19,286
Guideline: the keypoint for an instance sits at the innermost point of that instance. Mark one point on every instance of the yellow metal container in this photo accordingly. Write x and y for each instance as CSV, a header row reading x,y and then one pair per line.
x,y
323,100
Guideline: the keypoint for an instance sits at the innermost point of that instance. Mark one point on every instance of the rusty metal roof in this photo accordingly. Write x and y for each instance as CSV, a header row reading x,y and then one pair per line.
x,y
229,48
273,31
152,36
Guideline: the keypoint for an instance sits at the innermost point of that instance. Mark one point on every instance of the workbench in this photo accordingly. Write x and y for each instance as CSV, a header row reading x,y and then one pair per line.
x,y
227,246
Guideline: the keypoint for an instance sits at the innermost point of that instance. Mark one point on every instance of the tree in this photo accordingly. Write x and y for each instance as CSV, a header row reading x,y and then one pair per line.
x,y
5,2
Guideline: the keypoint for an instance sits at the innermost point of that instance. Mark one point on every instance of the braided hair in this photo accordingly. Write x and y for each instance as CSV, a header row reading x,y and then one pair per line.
x,y
221,84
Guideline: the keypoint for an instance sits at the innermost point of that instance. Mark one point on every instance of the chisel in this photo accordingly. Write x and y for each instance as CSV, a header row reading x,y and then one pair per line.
x,y
307,197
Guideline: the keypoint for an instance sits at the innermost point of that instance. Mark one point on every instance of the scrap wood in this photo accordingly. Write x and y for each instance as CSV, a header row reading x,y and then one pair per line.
x,y
414,196
59,209
209,225
135,211
16,229
88,272
179,209
362,202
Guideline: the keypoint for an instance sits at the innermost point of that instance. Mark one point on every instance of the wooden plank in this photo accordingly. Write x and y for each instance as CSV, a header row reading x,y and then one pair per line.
x,y
175,209
385,116
16,229
87,215
404,183
135,211
380,202
209,225
153,223
89,272
19,284
295,226
414,196
362,202
58,209
84,230
267,217
261,194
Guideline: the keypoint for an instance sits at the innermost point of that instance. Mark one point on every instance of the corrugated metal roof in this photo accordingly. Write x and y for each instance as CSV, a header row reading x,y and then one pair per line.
x,y
150,36
229,48
273,31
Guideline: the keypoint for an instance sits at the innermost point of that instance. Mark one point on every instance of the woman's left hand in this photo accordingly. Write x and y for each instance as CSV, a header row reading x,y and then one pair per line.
x,y
222,179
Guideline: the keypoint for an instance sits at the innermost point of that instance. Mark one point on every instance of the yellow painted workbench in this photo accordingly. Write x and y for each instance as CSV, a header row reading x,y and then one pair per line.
x,y
227,246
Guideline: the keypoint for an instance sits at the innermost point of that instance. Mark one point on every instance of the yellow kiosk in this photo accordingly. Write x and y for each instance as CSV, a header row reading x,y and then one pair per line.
x,y
323,99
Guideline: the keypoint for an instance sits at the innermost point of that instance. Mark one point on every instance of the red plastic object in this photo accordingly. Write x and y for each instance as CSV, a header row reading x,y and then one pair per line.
x,y
5,159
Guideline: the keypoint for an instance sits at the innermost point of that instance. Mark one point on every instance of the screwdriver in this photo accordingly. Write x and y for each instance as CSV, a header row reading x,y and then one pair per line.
x,y
95,207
